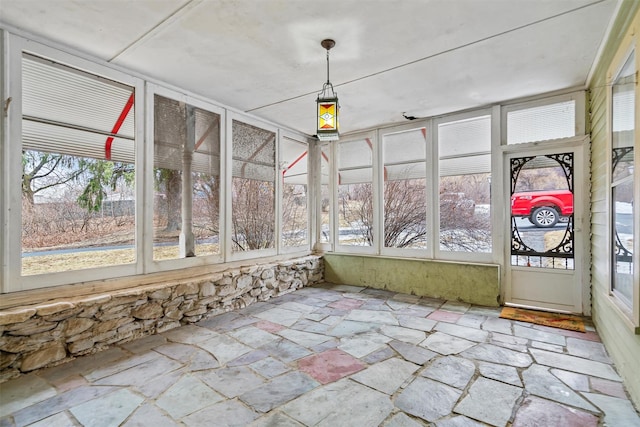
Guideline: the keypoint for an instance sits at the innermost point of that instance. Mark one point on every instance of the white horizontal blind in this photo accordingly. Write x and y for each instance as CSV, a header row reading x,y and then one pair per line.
x,y
542,123
465,146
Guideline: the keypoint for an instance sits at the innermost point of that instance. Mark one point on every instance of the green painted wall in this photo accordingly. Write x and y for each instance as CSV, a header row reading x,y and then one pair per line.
x,y
471,283
618,336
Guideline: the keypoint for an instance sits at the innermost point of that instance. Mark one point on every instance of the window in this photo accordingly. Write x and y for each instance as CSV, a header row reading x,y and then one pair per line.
x,y
623,186
355,192
541,123
186,174
78,169
295,215
325,195
253,187
464,148
404,206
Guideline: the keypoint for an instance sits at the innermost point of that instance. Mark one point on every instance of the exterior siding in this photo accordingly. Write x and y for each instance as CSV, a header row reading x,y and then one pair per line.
x,y
619,338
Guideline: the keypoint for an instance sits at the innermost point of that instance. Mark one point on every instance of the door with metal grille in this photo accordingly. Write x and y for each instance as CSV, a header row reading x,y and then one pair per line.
x,y
545,246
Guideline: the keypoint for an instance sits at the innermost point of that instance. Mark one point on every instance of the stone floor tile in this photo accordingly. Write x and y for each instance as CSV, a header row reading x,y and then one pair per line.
x,y
101,371
253,337
471,320
315,317
140,374
350,327
327,345
231,382
275,419
577,382
378,356
83,365
402,420
538,381
346,304
313,301
286,350
187,396
345,288
618,412
411,336
22,392
149,415
108,410
154,387
412,353
536,335
415,310
494,371
414,322
495,354
588,349
536,412
331,320
305,339
224,348
427,399
60,419
311,326
297,306
330,366
464,332
399,305
496,324
248,358
451,370
69,383
455,306
485,311
574,364
380,293
269,367
375,304
430,302
509,341
412,299
549,347
365,408
229,413
589,336
224,318
458,421
380,317
192,334
278,391
265,325
611,388
363,344
446,344
256,307
444,316
489,401
386,376
144,344
59,403
281,316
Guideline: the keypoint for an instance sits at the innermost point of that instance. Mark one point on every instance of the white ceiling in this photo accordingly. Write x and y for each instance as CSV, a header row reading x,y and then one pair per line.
x,y
419,57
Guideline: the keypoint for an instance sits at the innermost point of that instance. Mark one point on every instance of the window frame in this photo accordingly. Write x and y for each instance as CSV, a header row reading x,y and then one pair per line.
x,y
479,257
630,315
15,281
176,263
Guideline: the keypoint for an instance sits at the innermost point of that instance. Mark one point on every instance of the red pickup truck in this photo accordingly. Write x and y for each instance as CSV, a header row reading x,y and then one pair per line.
x,y
542,208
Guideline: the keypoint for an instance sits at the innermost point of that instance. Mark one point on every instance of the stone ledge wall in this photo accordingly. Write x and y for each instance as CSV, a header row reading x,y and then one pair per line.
x,y
53,332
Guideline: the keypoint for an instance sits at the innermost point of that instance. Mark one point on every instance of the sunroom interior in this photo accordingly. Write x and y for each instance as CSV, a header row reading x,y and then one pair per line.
x,y
156,145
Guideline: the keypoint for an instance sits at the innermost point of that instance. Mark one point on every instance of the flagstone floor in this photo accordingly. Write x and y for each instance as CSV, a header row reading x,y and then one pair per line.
x,y
335,356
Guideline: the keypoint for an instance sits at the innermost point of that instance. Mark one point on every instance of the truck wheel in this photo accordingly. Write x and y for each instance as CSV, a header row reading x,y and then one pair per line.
x,y
544,217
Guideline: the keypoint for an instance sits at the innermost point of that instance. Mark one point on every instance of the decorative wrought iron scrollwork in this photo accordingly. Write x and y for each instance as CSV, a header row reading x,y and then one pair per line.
x,y
618,154
622,254
516,167
565,160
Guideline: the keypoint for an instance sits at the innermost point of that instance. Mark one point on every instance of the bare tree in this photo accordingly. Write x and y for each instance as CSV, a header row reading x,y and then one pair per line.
x,y
253,217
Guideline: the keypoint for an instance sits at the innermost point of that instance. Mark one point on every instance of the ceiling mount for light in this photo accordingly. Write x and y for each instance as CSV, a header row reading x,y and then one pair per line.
x,y
327,103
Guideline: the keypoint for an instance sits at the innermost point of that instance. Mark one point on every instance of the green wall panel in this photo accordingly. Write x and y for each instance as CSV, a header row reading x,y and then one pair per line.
x,y
471,283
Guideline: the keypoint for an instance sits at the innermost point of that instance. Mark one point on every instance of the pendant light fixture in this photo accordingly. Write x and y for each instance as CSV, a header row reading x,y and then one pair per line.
x,y
327,103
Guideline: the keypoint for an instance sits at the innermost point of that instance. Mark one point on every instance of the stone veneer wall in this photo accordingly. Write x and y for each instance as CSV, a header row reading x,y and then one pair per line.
x,y
52,332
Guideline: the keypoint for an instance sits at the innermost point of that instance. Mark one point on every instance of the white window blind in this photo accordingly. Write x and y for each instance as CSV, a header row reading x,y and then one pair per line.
x,y
541,123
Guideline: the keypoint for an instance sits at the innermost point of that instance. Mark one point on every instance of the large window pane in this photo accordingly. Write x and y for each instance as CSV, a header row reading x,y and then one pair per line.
x,y
405,208
78,187
253,187
186,180
622,182
295,216
355,194
464,148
